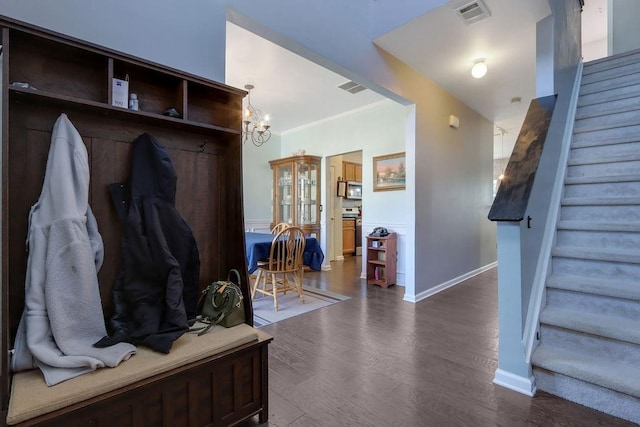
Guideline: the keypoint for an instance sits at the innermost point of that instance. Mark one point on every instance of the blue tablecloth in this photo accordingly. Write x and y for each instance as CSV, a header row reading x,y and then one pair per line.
x,y
259,244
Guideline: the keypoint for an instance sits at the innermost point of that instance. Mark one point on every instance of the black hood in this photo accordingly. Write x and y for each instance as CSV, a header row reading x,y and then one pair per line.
x,y
152,173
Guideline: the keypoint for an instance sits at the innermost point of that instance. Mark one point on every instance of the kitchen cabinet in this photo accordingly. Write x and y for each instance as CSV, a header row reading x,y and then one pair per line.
x,y
382,258
348,236
352,171
296,193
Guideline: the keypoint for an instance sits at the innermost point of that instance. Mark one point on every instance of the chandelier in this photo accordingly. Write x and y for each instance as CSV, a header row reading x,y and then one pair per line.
x,y
255,127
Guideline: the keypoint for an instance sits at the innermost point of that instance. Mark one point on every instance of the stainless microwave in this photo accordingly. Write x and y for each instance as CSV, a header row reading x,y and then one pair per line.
x,y
354,190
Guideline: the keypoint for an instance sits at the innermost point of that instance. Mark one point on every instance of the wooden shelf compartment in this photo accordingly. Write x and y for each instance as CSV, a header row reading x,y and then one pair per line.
x,y
156,90
70,102
58,68
209,105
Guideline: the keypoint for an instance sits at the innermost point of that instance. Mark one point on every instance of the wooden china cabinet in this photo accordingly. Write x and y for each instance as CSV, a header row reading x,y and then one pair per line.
x,y
296,193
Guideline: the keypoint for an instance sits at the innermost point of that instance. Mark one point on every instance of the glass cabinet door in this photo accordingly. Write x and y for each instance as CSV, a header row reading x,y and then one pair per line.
x,y
285,194
296,192
307,193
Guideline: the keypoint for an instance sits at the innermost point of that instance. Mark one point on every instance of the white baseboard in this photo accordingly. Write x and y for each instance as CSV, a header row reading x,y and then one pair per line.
x,y
441,287
340,258
363,275
514,382
326,267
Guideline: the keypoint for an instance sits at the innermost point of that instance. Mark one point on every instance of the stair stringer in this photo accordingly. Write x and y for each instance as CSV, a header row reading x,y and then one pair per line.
x,y
532,322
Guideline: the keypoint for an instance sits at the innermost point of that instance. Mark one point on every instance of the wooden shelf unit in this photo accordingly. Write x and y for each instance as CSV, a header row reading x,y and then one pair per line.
x,y
68,75
382,258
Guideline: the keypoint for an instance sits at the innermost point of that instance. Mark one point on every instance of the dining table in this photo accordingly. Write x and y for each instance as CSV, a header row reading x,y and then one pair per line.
x,y
258,246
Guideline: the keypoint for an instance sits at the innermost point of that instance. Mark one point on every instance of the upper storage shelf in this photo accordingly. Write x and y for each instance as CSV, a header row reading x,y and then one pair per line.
x,y
80,75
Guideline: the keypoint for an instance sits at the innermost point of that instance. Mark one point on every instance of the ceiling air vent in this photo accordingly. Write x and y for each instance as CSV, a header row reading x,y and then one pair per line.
x,y
352,87
472,12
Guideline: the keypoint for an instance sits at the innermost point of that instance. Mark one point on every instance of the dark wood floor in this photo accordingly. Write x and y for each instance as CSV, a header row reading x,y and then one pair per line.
x,y
376,360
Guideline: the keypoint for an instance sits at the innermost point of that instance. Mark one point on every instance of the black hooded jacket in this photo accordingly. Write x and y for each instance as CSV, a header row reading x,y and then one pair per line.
x,y
155,293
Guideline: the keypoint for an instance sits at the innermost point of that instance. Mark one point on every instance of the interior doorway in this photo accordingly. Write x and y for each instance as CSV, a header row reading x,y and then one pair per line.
x,y
346,206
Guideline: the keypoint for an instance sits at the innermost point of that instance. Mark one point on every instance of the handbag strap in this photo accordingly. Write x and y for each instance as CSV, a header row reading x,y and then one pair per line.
x,y
237,274
212,324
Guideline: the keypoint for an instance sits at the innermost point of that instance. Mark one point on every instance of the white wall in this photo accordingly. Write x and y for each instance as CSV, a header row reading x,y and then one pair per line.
x,y
623,25
594,50
257,183
376,130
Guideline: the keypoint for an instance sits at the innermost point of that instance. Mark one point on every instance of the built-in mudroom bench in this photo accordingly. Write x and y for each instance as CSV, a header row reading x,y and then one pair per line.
x,y
217,379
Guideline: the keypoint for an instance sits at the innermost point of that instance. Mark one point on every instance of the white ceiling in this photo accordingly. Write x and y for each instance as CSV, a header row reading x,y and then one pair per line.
x,y
292,90
296,92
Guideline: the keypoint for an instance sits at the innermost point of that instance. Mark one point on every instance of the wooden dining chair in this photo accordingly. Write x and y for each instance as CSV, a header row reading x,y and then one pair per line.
x,y
283,271
279,227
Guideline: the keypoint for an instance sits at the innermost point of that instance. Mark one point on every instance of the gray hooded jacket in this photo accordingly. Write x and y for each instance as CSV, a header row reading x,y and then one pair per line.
x,y
63,314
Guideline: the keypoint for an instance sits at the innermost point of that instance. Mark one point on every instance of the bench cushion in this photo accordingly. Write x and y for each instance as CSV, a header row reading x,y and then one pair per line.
x,y
31,397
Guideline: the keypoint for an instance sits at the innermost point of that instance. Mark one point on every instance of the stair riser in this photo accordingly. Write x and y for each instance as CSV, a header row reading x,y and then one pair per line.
x,y
620,351
595,304
609,63
606,189
590,395
610,95
605,169
621,119
600,151
606,85
609,73
600,213
609,107
596,269
598,239
629,133
610,287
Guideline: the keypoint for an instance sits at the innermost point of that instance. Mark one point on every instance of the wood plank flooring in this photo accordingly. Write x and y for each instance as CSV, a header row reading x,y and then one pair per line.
x,y
376,360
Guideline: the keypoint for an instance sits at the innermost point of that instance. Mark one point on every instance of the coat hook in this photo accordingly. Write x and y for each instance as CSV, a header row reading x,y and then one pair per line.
x,y
203,145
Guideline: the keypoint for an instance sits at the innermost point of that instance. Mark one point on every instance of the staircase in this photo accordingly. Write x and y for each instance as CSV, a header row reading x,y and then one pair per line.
x,y
589,349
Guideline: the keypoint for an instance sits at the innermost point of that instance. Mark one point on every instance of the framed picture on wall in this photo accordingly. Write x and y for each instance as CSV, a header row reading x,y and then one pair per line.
x,y
389,172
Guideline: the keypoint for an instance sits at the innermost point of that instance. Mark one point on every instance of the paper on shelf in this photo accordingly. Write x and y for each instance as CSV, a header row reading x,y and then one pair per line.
x,y
120,92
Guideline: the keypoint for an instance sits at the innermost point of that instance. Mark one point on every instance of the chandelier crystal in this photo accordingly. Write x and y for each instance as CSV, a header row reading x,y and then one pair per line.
x,y
255,127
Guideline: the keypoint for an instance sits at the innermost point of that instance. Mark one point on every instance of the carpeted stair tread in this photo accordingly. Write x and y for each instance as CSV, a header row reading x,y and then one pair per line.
x,y
609,287
597,254
609,62
609,159
620,70
597,179
595,324
602,87
605,373
624,139
612,95
632,227
600,201
607,106
607,120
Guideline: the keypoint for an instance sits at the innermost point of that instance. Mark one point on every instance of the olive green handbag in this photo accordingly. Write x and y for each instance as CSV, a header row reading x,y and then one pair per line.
x,y
223,304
